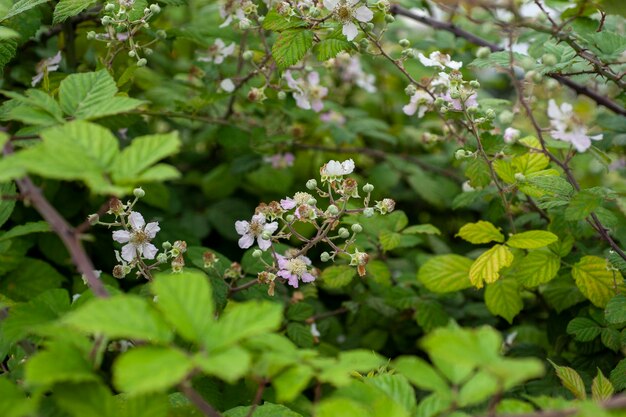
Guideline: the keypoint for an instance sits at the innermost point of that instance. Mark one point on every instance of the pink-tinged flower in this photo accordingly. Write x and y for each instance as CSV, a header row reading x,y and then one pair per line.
x,y
457,104
420,102
295,270
566,126
217,52
138,238
437,59
511,135
46,66
351,71
346,11
256,228
280,161
308,92
333,117
300,202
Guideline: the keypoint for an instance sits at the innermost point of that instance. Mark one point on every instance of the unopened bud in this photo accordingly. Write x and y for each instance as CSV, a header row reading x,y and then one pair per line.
x,y
357,228
519,176
161,258
311,202
506,117
483,52
460,154
281,95
368,188
389,18
410,90
161,34
343,233
257,253
325,257
166,245
247,55
290,218
139,192
311,184
368,212
154,8
109,7
490,114
333,210
118,272
549,59
91,35
266,235
404,43
142,62
474,84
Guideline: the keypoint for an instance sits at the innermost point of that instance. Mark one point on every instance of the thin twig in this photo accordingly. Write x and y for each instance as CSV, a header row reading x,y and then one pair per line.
x,y
197,399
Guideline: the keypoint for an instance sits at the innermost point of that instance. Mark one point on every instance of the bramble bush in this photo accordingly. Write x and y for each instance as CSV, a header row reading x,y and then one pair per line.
x,y
312,208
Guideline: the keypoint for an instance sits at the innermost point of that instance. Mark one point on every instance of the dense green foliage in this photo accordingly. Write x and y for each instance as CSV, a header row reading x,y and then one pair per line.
x,y
305,208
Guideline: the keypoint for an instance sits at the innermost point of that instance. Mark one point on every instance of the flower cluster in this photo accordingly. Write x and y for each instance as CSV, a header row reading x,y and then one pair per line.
x,y
566,126
350,71
122,21
137,236
276,220
307,90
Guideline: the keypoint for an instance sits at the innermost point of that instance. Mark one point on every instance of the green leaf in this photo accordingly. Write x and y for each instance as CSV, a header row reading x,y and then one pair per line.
x,y
532,240
421,374
571,380
427,229
300,311
265,410
339,406
69,8
329,48
14,402
584,329
503,298
389,240
430,314
480,386
601,388
537,268
91,95
7,205
143,152
290,383
291,46
61,362
277,22
582,205
300,334
480,232
21,6
446,273
611,338
339,373
615,311
84,399
150,369
497,59
337,276
229,365
595,281
25,229
186,302
241,321
121,316
30,278
35,107
488,265
618,376
562,293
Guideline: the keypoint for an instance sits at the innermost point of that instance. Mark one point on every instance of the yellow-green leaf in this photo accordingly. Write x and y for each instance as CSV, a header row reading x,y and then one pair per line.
x,y
488,265
503,298
445,273
532,240
480,232
595,281
601,388
571,380
538,267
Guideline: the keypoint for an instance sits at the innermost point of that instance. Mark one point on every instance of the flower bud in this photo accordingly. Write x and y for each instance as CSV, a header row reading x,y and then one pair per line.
x,y
474,84
147,51
356,228
490,114
166,245
155,8
404,43
460,154
290,218
325,257
257,253
244,24
311,184
549,59
161,34
91,35
132,53
142,62
139,192
368,188
247,55
506,117
483,52
281,95
382,5
161,258
519,176
266,235
311,202
389,18
109,7
410,90
368,212
93,219
314,12
333,210
118,272
364,44
343,233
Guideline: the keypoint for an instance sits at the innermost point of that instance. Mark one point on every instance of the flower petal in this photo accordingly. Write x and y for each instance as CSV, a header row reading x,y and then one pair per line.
x,y
246,241
264,244
270,227
287,203
363,14
149,251
121,236
152,229
350,31
129,252
242,227
136,220
330,4
307,277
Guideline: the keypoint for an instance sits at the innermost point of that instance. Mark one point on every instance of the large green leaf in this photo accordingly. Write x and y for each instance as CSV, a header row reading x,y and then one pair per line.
x,y
20,7
595,281
291,46
421,374
150,369
61,361
615,311
186,302
488,265
537,268
13,401
480,232
445,273
584,329
229,365
571,380
532,240
69,8
503,298
121,316
91,95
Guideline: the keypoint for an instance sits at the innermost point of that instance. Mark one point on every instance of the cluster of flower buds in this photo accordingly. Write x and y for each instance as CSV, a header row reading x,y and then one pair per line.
x,y
276,220
136,237
122,22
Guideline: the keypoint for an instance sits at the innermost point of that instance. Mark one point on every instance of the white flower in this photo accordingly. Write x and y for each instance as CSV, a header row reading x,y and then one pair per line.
x,y
46,66
337,169
307,92
437,59
420,102
227,85
350,70
567,127
218,51
346,11
138,239
256,228
232,9
511,134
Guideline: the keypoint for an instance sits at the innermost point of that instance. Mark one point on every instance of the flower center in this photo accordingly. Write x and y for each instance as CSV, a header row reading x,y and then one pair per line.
x,y
256,228
301,198
343,12
139,237
296,266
